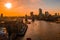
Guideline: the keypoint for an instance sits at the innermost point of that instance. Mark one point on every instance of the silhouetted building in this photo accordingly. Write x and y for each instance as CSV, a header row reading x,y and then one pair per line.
x,y
32,16
1,15
31,13
40,14
40,11
56,14
46,14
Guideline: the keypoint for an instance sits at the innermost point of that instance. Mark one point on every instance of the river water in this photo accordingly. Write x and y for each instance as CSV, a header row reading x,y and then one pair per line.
x,y
42,30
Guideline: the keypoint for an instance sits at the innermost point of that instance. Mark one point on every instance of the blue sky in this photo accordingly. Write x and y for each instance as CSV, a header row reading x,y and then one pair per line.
x,y
52,3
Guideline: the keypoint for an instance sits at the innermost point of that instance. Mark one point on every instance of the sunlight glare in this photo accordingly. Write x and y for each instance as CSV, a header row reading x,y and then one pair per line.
x,y
8,5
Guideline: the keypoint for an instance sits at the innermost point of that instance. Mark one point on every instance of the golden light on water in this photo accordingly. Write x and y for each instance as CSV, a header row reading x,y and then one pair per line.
x,y
8,5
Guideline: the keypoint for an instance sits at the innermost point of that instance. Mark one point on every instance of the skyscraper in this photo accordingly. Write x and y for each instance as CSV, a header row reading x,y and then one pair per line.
x,y
56,14
40,11
31,13
46,13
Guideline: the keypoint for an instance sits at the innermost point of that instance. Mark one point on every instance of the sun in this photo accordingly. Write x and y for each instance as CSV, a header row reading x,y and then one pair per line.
x,y
8,5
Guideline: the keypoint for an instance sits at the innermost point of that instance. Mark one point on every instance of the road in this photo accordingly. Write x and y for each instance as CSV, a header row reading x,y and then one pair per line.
x,y
42,30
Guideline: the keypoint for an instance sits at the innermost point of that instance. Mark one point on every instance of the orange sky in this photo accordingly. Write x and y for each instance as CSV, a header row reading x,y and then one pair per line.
x,y
20,8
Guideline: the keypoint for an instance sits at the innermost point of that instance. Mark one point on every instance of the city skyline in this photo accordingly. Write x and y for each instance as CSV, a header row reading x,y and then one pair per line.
x,y
22,7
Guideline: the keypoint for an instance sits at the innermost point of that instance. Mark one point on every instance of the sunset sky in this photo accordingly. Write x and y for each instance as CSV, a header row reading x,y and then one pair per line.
x,y
22,7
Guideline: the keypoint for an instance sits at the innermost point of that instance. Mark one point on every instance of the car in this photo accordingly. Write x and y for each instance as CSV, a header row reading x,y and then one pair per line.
x,y
3,33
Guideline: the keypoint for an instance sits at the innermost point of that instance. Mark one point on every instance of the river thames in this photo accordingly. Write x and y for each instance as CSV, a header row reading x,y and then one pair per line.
x,y
42,30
